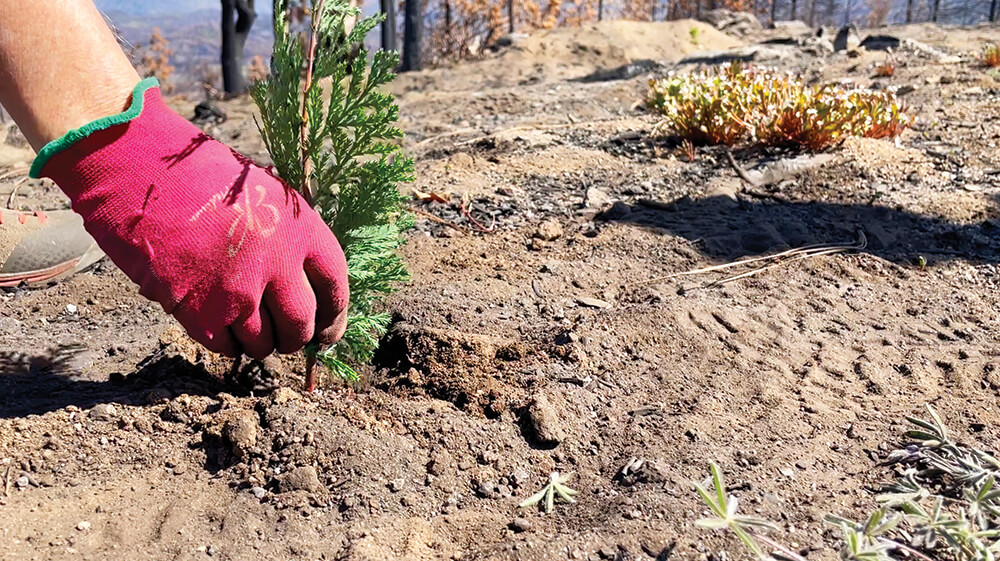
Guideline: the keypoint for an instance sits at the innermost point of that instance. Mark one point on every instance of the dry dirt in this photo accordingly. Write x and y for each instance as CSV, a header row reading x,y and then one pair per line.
x,y
552,342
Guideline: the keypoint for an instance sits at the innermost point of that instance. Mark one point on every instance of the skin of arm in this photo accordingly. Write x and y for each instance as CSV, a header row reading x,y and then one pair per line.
x,y
60,67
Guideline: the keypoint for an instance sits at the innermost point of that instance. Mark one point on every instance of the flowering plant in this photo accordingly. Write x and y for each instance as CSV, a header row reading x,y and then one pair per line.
x,y
735,104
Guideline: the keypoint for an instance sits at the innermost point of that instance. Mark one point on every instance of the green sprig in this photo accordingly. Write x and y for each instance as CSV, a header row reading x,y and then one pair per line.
x,y
355,164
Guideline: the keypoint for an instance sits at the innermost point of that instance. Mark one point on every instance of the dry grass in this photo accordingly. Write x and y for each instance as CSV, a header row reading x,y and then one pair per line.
x,y
886,68
991,56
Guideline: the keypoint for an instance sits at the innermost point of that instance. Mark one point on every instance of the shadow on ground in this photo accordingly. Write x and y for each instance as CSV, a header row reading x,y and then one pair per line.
x,y
724,228
48,381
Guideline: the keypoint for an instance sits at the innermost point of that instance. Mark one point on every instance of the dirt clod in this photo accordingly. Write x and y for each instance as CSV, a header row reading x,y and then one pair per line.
x,y
302,478
546,425
521,524
596,198
103,412
549,230
240,432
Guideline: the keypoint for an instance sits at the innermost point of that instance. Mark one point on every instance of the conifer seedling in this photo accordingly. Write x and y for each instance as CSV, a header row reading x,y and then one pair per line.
x,y
333,137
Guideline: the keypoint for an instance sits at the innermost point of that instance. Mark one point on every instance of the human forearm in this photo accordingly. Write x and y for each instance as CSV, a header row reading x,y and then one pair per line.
x,y
60,67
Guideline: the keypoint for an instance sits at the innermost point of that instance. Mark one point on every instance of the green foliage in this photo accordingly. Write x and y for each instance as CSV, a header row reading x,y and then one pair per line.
x,y
555,489
724,508
944,504
735,104
991,56
348,161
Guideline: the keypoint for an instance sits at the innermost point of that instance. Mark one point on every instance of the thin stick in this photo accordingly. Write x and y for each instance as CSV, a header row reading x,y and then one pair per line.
x,y
13,193
787,253
15,170
739,171
537,126
6,485
306,190
438,219
775,265
905,548
306,88
468,214
780,548
440,136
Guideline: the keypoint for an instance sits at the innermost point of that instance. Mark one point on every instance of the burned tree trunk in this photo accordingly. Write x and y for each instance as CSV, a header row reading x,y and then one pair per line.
x,y
237,19
389,25
413,30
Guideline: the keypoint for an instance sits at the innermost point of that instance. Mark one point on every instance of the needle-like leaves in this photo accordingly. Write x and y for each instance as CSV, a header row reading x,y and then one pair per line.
x,y
354,163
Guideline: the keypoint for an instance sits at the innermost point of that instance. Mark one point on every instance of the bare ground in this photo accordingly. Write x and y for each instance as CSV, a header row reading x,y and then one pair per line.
x,y
513,355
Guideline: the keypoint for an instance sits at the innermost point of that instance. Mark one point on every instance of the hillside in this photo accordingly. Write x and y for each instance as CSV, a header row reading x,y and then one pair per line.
x,y
551,326
132,8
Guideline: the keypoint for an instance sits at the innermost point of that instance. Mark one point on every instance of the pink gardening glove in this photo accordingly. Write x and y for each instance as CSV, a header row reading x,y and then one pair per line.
x,y
224,246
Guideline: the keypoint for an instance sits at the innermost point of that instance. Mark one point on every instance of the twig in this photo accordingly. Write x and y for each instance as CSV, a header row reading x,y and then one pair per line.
x,y
438,219
739,171
306,88
13,193
540,126
905,548
799,257
861,244
440,136
14,170
785,552
467,214
6,485
305,188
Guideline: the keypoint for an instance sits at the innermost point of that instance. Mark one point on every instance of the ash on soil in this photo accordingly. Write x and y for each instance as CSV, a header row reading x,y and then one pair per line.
x,y
121,439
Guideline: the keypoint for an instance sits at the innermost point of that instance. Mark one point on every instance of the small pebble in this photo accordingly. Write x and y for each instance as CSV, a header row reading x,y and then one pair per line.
x,y
103,412
71,308
259,492
521,524
83,526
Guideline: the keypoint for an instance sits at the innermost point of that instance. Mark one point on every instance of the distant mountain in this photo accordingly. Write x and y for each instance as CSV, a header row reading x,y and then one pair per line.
x,y
167,7
192,28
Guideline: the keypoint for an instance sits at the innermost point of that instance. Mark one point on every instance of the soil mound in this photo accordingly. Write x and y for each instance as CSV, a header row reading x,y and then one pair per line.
x,y
567,53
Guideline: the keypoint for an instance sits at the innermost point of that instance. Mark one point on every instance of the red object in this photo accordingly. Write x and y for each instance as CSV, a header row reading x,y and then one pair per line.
x,y
221,243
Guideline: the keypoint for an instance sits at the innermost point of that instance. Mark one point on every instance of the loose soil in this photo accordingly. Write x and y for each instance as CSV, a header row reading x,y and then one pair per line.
x,y
553,342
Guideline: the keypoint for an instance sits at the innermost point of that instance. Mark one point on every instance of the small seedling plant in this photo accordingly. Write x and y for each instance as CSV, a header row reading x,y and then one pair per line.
x,y
943,505
332,135
556,489
991,56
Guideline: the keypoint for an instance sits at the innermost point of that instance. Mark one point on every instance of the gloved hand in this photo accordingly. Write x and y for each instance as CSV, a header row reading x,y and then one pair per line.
x,y
222,244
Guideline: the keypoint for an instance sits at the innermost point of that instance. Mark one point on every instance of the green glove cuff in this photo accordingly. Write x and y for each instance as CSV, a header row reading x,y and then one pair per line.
x,y
75,135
